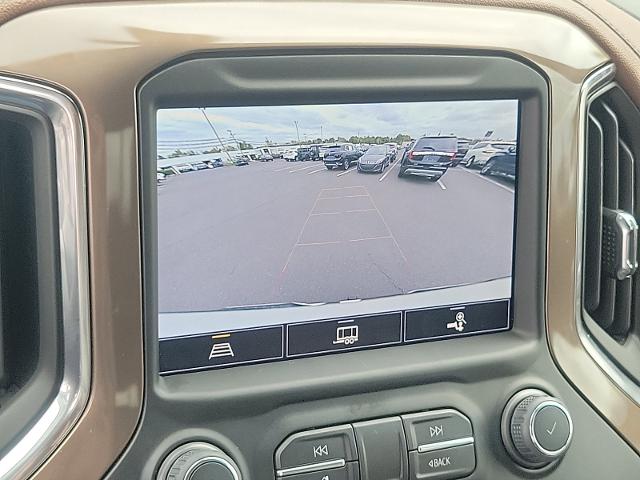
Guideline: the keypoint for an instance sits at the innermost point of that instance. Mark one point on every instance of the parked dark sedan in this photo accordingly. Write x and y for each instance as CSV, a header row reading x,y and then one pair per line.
x,y
241,160
502,165
429,157
376,159
341,156
265,157
311,153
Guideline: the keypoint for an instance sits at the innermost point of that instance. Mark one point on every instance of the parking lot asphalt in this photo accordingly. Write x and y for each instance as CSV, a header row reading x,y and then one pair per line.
x,y
281,232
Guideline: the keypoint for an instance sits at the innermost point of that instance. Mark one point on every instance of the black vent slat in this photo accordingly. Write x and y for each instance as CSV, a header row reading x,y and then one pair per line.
x,y
622,317
593,234
605,312
609,123
624,289
626,178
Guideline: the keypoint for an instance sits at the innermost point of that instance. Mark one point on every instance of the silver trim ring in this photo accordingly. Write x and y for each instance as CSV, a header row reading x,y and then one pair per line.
x,y
211,459
56,421
532,432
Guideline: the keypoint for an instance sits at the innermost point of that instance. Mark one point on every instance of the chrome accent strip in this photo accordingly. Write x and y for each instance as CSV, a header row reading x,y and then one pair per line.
x,y
628,230
595,81
314,467
458,442
532,431
58,418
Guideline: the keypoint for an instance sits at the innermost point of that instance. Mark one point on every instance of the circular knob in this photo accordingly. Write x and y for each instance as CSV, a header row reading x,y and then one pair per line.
x,y
536,428
198,461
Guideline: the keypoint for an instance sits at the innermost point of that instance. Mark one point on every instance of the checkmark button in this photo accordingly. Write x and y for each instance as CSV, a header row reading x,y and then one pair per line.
x,y
552,428
550,431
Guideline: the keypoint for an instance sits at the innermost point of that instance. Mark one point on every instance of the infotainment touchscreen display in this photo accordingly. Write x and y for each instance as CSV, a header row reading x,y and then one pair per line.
x,y
301,230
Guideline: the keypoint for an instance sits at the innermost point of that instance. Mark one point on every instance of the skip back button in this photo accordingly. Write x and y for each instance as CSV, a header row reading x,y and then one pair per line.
x,y
313,447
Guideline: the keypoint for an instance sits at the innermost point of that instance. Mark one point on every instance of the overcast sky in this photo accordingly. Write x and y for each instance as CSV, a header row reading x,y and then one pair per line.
x,y
255,124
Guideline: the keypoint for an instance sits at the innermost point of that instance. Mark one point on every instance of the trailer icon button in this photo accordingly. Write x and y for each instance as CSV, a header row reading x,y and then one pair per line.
x,y
343,334
346,335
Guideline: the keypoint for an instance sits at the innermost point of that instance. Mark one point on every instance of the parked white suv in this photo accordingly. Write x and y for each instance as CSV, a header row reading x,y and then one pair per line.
x,y
290,155
480,153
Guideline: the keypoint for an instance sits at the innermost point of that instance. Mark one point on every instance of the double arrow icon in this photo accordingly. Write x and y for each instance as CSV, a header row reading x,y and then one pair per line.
x,y
436,431
320,451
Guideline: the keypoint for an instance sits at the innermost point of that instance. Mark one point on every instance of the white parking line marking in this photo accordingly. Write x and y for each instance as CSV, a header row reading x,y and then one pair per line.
x,y
310,244
388,171
300,234
486,179
442,186
371,238
316,171
388,229
345,172
344,196
342,188
300,169
362,210
284,168
335,242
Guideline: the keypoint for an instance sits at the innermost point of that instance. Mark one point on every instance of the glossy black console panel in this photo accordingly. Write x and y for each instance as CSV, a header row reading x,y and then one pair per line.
x,y
249,410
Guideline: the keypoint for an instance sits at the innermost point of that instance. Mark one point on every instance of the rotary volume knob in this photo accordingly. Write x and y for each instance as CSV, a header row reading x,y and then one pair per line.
x,y
536,428
198,461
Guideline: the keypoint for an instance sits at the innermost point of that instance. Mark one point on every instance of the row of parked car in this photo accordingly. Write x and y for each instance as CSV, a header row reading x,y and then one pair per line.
x,y
428,156
431,156
318,152
493,158
237,160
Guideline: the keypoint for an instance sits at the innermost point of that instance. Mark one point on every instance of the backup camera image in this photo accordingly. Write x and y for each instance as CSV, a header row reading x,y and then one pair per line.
x,y
292,231
386,206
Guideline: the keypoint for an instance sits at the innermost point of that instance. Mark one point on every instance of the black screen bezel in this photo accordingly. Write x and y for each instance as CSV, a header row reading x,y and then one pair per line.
x,y
504,78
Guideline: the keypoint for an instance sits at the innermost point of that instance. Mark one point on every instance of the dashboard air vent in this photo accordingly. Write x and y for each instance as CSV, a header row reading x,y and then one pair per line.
x,y
611,282
44,343
613,160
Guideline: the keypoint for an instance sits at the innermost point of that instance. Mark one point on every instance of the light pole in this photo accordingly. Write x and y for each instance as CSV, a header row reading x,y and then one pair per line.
x,y
216,134
297,131
321,137
234,139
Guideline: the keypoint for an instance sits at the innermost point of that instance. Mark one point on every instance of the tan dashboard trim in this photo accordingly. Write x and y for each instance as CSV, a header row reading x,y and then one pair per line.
x,y
614,29
100,52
